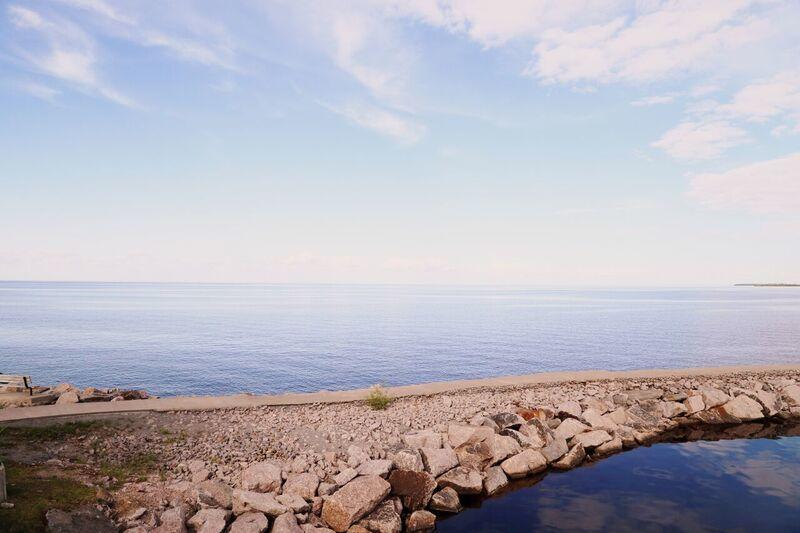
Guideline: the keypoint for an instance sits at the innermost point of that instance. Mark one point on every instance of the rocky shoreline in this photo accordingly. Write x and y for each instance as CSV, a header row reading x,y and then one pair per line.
x,y
64,394
344,467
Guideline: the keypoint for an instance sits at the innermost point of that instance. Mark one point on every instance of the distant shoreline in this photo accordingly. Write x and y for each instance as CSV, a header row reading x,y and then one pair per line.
x,y
766,285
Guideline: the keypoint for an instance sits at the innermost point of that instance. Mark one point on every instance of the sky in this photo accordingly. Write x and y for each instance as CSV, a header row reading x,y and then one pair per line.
x,y
539,142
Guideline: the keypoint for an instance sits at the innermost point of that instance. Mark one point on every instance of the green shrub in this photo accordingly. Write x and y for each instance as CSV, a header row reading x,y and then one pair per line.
x,y
378,399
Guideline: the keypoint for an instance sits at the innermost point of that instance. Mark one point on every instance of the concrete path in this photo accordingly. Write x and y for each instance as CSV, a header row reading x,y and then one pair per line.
x,y
192,403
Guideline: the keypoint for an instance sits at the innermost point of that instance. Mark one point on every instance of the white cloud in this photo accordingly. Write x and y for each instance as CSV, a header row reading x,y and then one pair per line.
x,y
671,38
701,140
648,101
99,7
381,121
37,90
63,51
766,187
776,97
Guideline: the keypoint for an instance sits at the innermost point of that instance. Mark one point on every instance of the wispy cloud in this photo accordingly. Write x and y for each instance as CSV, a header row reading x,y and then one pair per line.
x,y
37,90
382,121
701,140
63,51
765,187
648,101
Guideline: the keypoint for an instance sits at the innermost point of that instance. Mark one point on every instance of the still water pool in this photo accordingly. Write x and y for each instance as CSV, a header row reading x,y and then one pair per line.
x,y
733,485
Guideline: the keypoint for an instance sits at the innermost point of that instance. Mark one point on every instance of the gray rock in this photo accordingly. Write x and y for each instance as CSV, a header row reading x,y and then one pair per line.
x,y
262,477
537,432
446,500
438,460
672,409
213,494
250,523
354,501
524,464
495,480
638,395
172,520
507,420
461,479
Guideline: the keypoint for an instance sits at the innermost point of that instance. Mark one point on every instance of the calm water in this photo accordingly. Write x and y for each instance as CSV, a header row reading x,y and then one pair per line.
x,y
198,338
739,485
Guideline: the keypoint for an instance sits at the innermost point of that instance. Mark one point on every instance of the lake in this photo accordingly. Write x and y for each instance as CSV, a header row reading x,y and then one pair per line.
x,y
226,338
730,485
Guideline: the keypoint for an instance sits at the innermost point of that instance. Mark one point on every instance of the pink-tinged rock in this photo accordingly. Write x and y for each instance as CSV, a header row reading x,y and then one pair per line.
x,y
608,448
791,395
384,519
414,488
246,501
462,480
210,520
694,404
354,501
572,459
524,464
421,521
262,477
713,397
771,402
438,460
423,439
591,439
286,523
250,523
408,460
570,409
495,480
460,434
744,408
375,467
569,428
304,485
555,449
446,500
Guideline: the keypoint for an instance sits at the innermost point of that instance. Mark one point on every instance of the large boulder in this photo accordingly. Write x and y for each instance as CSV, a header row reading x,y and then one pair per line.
x,y
608,448
414,488
304,484
294,502
421,521
446,500
461,479
262,477
408,459
644,414
476,455
713,397
375,467
209,520
438,460
507,420
744,408
460,434
384,519
495,480
569,409
672,409
771,402
791,395
591,439
537,432
524,464
569,428
638,395
423,439
694,404
173,520
555,449
286,523
213,493
250,523
245,501
572,459
67,397
354,501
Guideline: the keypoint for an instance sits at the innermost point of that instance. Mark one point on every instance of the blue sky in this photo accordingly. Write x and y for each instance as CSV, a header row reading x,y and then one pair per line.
x,y
428,141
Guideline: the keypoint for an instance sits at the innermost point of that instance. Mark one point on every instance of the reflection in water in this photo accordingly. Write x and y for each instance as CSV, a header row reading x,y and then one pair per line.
x,y
728,485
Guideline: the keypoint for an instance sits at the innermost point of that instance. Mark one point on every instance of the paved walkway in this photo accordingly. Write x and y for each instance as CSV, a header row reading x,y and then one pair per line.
x,y
191,403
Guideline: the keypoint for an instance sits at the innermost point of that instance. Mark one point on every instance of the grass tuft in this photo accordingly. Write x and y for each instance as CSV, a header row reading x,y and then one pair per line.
x,y
378,399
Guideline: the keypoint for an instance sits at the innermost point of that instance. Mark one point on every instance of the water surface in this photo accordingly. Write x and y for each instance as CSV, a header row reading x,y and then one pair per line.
x,y
216,338
732,485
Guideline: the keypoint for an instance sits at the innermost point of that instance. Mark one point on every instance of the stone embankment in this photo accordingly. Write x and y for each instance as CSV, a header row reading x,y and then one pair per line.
x,y
343,467
404,485
64,393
